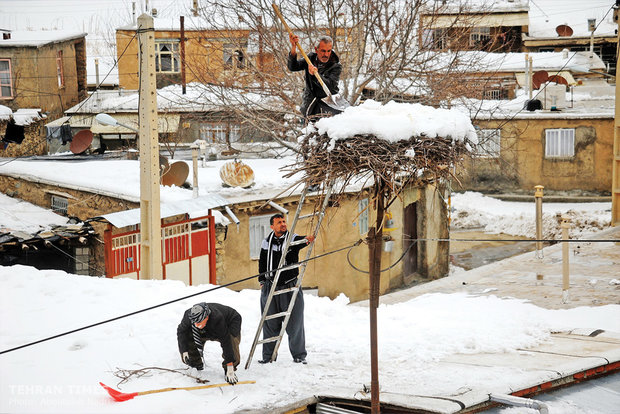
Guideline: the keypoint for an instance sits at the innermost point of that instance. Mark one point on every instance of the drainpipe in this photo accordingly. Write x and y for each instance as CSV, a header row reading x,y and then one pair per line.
x,y
519,402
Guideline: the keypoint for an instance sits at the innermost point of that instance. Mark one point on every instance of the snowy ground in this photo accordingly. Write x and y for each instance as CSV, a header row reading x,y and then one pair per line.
x,y
475,210
62,375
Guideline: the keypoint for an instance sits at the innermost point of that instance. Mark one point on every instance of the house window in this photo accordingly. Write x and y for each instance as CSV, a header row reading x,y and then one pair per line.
x,y
363,215
220,132
439,39
259,229
480,37
59,204
167,56
488,143
6,81
234,56
59,70
492,94
559,142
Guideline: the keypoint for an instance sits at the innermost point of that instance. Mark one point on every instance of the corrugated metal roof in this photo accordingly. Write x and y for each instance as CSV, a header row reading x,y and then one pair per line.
x,y
195,207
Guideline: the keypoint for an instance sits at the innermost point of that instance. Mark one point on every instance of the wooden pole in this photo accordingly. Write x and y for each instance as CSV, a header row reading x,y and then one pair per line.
x,y
615,181
374,265
183,80
150,217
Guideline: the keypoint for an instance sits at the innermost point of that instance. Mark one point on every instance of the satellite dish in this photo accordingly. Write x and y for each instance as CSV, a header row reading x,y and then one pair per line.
x,y
564,30
176,174
237,174
539,78
81,141
164,166
560,80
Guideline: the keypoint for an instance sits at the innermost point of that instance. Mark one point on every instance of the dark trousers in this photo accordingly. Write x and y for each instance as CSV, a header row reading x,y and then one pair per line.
x,y
295,327
235,340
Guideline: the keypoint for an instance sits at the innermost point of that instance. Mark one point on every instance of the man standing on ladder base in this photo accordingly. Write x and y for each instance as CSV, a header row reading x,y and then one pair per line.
x,y
270,254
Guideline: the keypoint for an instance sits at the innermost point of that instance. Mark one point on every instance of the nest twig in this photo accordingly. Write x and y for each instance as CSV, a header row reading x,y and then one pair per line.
x,y
417,160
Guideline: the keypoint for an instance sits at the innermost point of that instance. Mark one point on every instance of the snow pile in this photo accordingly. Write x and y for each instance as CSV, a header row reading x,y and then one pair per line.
x,y
397,122
62,375
473,210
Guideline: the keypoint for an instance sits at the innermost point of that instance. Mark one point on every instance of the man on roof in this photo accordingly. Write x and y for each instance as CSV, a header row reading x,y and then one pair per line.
x,y
324,61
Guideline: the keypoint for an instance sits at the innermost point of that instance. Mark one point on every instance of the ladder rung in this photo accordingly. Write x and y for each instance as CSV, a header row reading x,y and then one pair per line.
x,y
305,216
302,241
272,339
276,315
281,291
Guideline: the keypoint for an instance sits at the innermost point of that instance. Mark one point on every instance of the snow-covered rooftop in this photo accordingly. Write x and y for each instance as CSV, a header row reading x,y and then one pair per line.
x,y
198,97
478,61
546,15
23,116
38,38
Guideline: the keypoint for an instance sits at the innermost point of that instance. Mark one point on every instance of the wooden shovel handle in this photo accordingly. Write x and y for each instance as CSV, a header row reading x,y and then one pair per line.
x,y
197,387
288,29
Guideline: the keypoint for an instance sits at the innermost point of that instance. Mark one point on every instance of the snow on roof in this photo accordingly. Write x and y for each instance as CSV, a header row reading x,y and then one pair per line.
x,y
479,61
592,100
20,216
481,6
198,97
23,116
398,121
195,207
39,38
546,15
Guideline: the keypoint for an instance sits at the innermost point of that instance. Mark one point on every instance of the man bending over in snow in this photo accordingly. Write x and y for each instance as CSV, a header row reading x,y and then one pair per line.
x,y
210,322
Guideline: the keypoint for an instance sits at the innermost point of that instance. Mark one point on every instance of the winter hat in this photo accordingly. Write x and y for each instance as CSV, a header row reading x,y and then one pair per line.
x,y
199,312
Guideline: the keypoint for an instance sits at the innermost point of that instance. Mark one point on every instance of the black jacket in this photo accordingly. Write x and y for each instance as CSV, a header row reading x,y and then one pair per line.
x,y
330,73
223,322
291,257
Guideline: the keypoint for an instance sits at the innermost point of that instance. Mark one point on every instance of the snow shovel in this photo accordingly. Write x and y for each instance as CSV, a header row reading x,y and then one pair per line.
x,y
122,396
333,101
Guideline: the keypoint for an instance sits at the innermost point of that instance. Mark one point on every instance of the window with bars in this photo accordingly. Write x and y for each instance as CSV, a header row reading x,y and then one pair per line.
x,y
167,56
480,37
259,229
559,143
59,204
220,132
59,70
488,143
363,215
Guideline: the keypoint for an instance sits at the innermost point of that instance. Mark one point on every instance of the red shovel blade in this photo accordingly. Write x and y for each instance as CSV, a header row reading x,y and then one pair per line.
x,y
117,395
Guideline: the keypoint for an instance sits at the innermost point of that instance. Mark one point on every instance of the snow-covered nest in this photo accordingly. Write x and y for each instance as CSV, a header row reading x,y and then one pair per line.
x,y
395,141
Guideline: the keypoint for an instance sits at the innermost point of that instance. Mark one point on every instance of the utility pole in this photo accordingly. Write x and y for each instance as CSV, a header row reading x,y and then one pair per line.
x,y
150,217
615,180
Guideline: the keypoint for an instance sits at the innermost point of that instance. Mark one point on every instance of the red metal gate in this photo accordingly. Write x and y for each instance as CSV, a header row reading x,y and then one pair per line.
x,y
182,241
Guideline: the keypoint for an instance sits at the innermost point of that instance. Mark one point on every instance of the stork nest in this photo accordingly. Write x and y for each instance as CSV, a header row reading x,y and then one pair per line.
x,y
417,160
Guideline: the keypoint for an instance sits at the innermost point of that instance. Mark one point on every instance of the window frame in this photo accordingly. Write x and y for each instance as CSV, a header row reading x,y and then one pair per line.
x,y
59,204
9,85
173,53
60,71
486,135
362,208
261,225
554,147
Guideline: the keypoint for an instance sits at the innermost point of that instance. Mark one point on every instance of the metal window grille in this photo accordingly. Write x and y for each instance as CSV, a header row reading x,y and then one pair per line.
x,y
488,143
59,204
560,142
363,217
259,229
